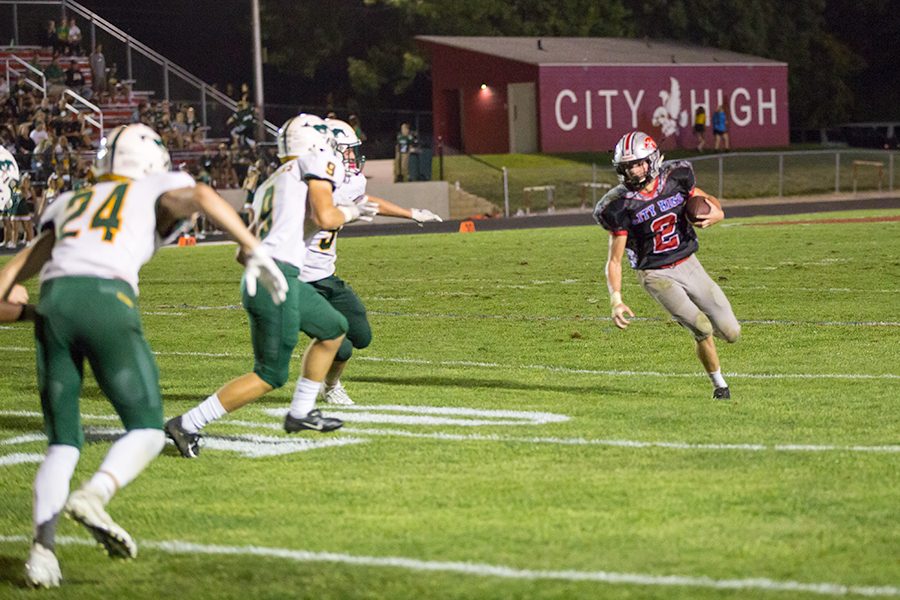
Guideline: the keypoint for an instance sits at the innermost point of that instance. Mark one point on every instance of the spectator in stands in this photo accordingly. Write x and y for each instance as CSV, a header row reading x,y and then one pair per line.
x,y
62,36
56,78
75,80
223,173
98,70
50,35
39,134
245,93
74,38
180,133
85,136
243,126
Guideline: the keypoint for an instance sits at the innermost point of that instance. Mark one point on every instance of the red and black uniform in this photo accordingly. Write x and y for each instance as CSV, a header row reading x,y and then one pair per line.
x,y
659,233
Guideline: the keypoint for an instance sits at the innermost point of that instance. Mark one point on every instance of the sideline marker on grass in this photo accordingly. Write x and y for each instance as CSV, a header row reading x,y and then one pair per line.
x,y
467,227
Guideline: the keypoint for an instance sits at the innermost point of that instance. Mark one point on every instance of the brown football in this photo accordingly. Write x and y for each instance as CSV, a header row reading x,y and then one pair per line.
x,y
697,208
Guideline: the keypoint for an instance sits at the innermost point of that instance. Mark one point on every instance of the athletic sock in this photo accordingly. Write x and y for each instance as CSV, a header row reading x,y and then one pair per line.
x,y
717,379
51,488
203,414
125,460
304,399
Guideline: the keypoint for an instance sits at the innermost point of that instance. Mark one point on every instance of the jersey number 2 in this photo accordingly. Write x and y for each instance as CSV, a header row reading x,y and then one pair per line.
x,y
666,237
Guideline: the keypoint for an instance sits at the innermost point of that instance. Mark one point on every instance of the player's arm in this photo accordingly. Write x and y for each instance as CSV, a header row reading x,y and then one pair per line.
x,y
17,308
716,213
27,262
614,279
182,203
389,209
328,216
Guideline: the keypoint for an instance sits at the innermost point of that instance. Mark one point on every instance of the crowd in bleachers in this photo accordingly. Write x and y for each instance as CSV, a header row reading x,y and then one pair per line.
x,y
54,142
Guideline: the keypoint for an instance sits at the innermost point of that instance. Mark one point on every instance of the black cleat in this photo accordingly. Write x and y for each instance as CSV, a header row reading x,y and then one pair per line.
x,y
187,443
314,421
722,393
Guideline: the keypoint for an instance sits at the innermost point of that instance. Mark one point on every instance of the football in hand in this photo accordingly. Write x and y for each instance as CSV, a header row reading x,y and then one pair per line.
x,y
697,208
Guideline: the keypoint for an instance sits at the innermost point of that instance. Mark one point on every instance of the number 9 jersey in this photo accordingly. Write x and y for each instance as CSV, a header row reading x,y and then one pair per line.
x,y
659,233
107,230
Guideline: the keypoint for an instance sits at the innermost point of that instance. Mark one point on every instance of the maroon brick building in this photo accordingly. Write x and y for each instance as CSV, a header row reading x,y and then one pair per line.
x,y
515,94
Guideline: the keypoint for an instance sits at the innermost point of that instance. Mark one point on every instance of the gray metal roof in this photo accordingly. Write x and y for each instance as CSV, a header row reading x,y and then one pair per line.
x,y
549,51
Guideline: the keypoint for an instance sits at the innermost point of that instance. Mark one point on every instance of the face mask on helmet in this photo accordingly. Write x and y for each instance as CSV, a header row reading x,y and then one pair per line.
x,y
132,151
9,178
633,149
348,144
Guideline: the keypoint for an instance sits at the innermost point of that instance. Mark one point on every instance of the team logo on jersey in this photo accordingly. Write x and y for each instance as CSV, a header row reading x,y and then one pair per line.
x,y
669,116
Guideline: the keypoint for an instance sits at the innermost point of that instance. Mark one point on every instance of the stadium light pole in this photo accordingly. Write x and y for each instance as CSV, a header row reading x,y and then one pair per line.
x,y
258,75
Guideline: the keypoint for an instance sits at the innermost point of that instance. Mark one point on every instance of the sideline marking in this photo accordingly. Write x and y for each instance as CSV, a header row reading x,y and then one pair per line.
x,y
487,570
552,369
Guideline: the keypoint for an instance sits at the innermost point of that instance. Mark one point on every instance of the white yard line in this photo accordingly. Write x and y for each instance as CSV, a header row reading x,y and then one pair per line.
x,y
487,570
550,368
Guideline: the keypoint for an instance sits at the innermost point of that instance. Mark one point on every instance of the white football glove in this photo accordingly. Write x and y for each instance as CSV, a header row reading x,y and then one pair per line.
x,y
260,266
360,210
423,215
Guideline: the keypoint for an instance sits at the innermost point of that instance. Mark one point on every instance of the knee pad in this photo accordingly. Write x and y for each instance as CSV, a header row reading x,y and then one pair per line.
x,y
732,334
344,352
274,377
360,339
701,327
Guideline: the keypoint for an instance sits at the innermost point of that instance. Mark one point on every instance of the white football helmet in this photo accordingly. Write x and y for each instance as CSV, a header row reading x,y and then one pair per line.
x,y
348,144
9,178
132,151
302,134
632,148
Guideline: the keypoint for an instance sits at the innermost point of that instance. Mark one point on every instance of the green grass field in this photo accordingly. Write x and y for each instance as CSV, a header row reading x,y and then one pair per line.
x,y
508,441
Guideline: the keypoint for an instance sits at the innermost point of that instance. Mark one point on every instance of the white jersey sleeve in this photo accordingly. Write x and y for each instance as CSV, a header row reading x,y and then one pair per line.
x,y
107,230
351,189
322,164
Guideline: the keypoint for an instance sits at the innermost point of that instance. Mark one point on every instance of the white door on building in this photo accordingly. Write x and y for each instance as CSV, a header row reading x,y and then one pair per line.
x,y
522,117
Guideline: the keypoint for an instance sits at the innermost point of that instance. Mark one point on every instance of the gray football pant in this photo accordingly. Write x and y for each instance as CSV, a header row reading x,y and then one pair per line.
x,y
693,299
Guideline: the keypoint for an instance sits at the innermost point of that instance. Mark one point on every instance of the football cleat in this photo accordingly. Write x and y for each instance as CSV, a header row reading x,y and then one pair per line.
x,y
42,568
187,443
336,394
722,393
86,508
314,421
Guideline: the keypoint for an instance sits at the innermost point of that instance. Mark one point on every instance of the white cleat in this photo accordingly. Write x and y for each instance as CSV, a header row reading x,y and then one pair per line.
x,y
87,508
42,568
337,395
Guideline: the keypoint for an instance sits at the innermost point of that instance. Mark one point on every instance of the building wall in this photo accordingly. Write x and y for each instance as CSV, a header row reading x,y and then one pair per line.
x,y
484,125
589,108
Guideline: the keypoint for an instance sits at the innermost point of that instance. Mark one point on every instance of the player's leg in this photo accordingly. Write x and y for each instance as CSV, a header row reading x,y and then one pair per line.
x,y
109,329
327,327
359,335
709,298
273,334
59,372
666,287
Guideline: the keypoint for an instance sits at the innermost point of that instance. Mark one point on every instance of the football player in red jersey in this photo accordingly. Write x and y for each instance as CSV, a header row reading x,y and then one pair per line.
x,y
646,219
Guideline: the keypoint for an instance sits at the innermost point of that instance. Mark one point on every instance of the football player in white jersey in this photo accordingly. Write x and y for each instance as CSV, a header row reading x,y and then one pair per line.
x,y
319,268
92,245
15,307
305,181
